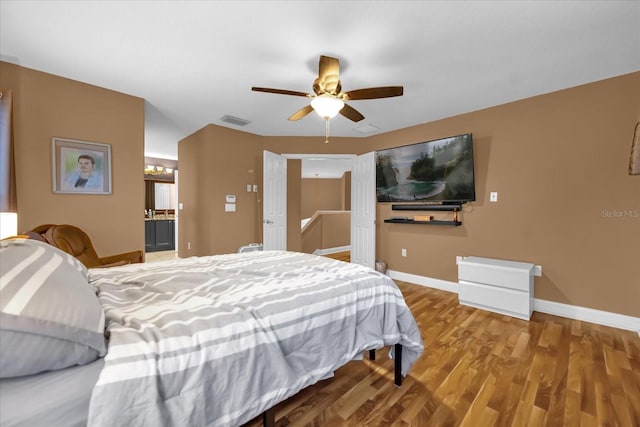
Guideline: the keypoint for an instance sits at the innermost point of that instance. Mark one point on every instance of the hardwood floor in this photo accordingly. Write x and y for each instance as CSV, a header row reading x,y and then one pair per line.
x,y
483,369
341,256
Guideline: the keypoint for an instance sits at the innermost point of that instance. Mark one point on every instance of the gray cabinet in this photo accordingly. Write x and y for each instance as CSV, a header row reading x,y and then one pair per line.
x,y
159,235
149,235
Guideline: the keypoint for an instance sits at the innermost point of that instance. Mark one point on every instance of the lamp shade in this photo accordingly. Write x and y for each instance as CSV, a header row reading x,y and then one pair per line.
x,y
8,224
327,105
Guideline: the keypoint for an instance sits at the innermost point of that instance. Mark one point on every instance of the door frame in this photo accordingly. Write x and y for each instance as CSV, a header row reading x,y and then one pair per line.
x,y
327,156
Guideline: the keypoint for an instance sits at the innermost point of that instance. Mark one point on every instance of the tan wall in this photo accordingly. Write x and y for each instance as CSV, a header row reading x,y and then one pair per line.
x,y
327,229
312,235
346,191
46,106
559,162
336,229
193,222
321,194
218,161
294,204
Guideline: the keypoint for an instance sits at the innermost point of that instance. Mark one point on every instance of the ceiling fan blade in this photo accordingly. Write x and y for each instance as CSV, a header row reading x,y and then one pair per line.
x,y
301,113
279,91
351,113
328,80
373,93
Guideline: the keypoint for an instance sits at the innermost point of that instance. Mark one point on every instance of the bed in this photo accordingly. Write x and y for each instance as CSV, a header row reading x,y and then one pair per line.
x,y
198,341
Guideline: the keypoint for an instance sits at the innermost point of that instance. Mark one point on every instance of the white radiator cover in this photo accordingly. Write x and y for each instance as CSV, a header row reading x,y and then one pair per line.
x,y
504,287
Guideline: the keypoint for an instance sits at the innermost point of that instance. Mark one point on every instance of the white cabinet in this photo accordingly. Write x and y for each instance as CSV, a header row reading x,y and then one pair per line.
x,y
505,287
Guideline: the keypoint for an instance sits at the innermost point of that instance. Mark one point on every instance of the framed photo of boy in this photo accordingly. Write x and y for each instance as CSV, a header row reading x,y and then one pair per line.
x,y
634,160
81,167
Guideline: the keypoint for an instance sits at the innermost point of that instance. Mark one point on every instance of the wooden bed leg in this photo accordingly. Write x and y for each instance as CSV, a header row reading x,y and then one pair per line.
x,y
398,365
372,355
269,418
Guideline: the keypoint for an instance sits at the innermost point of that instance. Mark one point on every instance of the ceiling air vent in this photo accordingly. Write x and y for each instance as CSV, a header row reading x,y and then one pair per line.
x,y
234,120
366,129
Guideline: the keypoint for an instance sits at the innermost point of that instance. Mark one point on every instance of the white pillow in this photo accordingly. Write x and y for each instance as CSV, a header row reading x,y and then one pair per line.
x,y
50,317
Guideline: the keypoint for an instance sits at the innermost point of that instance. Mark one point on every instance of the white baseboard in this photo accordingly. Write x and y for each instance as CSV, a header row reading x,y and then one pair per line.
x,y
443,285
605,318
335,250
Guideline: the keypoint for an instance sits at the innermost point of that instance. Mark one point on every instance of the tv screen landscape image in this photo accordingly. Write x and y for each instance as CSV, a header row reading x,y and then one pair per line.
x,y
438,171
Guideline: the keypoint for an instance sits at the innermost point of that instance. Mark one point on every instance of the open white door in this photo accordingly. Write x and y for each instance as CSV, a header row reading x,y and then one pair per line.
x,y
274,234
176,209
363,210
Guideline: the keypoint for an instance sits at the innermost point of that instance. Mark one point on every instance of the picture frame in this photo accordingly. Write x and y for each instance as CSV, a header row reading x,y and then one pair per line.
x,y
81,167
634,158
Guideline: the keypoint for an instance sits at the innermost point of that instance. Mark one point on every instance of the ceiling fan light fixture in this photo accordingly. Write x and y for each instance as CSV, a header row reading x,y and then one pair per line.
x,y
327,105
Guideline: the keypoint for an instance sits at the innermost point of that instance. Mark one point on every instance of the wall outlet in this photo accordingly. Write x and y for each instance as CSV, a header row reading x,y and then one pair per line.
x,y
403,252
493,196
189,246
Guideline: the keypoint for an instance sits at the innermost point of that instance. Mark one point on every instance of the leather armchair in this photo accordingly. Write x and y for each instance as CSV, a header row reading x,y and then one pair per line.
x,y
77,243
38,232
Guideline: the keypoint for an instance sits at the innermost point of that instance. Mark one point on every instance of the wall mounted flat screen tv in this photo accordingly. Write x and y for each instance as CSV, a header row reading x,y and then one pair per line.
x,y
432,171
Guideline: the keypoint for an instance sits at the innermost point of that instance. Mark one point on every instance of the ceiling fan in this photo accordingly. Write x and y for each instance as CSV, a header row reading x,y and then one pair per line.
x,y
328,99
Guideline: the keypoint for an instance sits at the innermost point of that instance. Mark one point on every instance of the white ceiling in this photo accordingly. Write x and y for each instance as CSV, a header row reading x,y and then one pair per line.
x,y
195,61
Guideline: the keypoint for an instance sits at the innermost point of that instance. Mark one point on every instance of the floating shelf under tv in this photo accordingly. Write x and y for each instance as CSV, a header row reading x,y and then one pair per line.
x,y
453,207
432,222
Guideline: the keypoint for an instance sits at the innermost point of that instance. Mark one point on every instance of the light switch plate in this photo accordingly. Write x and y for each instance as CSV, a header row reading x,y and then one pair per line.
x,y
493,196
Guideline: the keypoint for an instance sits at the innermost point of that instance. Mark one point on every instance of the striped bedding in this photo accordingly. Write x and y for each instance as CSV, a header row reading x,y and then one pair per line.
x,y
215,341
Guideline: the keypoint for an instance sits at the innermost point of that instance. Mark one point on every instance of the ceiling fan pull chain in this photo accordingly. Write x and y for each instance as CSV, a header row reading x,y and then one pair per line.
x,y
326,140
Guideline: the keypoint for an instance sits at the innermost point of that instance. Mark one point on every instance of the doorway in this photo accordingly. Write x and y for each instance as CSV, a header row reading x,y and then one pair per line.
x,y
362,203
